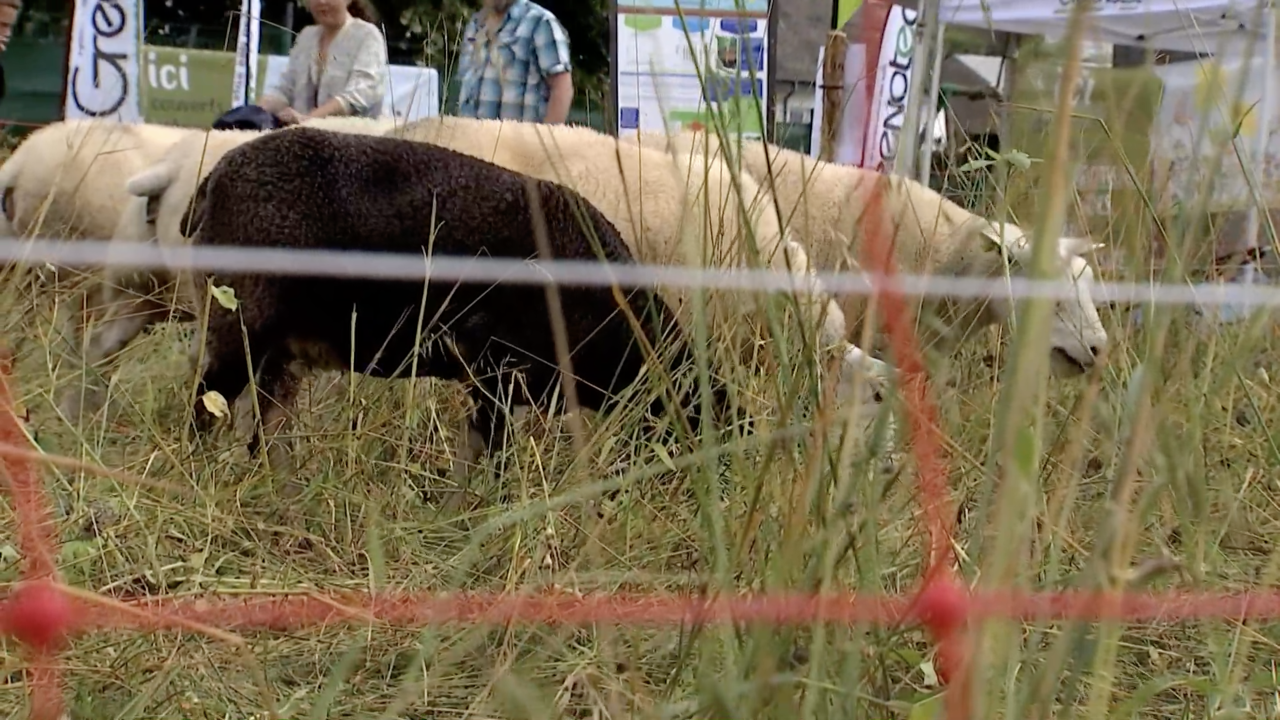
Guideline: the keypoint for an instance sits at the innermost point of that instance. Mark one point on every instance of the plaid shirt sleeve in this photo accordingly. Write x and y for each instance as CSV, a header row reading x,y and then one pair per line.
x,y
551,47
464,57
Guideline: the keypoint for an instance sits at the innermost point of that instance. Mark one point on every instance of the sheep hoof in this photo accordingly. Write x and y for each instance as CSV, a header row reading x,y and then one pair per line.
x,y
292,488
888,466
81,403
200,427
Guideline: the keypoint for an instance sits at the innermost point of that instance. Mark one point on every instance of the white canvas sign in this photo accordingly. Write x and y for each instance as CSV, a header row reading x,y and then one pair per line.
x,y
102,69
244,84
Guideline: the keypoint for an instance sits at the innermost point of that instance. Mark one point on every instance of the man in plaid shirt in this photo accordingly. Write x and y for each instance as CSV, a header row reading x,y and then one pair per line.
x,y
514,64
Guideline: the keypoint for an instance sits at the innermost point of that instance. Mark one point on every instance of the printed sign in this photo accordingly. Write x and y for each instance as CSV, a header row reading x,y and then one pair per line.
x,y
888,108
662,51
102,77
188,88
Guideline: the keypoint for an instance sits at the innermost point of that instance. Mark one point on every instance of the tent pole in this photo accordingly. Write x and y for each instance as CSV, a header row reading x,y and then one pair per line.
x,y
1264,127
909,137
931,106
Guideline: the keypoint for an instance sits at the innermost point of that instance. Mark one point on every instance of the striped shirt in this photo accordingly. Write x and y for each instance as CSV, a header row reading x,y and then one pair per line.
x,y
504,73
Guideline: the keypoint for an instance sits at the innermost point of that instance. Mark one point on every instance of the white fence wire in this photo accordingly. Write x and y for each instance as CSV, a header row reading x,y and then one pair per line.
x,y
407,267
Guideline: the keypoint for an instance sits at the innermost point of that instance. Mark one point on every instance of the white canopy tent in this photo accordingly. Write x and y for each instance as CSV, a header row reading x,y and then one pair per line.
x,y
1187,25
1204,26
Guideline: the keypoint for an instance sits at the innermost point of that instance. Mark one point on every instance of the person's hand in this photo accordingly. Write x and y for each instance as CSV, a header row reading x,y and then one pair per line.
x,y
289,116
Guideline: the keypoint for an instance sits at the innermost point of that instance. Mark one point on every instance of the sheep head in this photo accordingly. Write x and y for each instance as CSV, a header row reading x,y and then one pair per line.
x,y
1077,336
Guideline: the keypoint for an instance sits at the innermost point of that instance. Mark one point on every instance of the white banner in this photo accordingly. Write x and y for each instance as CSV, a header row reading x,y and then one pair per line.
x,y
851,136
102,68
889,100
412,93
244,85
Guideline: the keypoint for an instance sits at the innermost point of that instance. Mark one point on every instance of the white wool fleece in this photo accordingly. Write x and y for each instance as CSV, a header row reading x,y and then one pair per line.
x,y
66,179
664,208
824,204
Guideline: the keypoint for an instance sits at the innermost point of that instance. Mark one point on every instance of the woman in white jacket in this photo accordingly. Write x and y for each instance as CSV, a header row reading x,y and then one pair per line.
x,y
338,66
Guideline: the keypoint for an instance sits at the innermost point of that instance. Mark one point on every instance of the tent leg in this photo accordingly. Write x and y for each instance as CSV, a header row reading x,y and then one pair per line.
x,y
1250,273
931,106
1264,127
909,137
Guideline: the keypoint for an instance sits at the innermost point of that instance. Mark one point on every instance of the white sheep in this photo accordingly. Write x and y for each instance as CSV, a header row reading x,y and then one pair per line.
x,y
666,210
824,204
157,195
65,182
66,178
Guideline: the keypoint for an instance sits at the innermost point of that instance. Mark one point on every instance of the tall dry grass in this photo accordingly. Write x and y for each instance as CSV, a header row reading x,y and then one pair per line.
x,y
1156,471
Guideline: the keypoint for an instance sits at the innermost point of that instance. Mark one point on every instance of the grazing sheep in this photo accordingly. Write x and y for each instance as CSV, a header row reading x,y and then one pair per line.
x,y
65,179
824,204
158,194
348,192
664,209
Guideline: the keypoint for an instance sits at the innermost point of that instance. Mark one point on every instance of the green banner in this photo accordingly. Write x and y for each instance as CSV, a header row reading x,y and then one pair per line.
x,y
845,10
188,88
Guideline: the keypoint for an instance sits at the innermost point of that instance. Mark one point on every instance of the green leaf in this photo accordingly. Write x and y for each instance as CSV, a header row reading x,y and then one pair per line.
x,y
664,457
75,550
976,165
225,296
1235,133
342,671
928,709
1024,451
1018,159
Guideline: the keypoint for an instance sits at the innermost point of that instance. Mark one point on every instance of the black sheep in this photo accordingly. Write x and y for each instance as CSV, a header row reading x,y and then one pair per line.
x,y
313,189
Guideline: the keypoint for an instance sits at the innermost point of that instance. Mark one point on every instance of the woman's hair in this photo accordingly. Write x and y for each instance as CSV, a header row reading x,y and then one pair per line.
x,y
363,10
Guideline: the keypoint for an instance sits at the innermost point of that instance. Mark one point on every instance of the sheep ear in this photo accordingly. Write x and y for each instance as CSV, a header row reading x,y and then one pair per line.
x,y
995,243
1080,246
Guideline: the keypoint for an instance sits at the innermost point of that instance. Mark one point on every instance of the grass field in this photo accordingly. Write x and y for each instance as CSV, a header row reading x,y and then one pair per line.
x,y
1156,471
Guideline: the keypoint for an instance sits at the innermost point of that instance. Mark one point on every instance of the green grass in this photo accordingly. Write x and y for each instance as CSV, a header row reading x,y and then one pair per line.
x,y
1110,483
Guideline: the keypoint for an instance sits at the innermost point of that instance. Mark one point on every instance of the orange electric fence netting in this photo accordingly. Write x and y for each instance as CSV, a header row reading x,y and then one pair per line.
x,y
42,613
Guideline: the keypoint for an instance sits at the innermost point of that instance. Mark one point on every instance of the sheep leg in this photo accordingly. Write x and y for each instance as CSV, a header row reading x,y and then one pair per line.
x,y
225,371
124,320
861,380
478,434
278,385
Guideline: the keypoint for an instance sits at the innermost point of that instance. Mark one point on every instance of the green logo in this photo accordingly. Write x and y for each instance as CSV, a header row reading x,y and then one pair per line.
x,y
187,88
